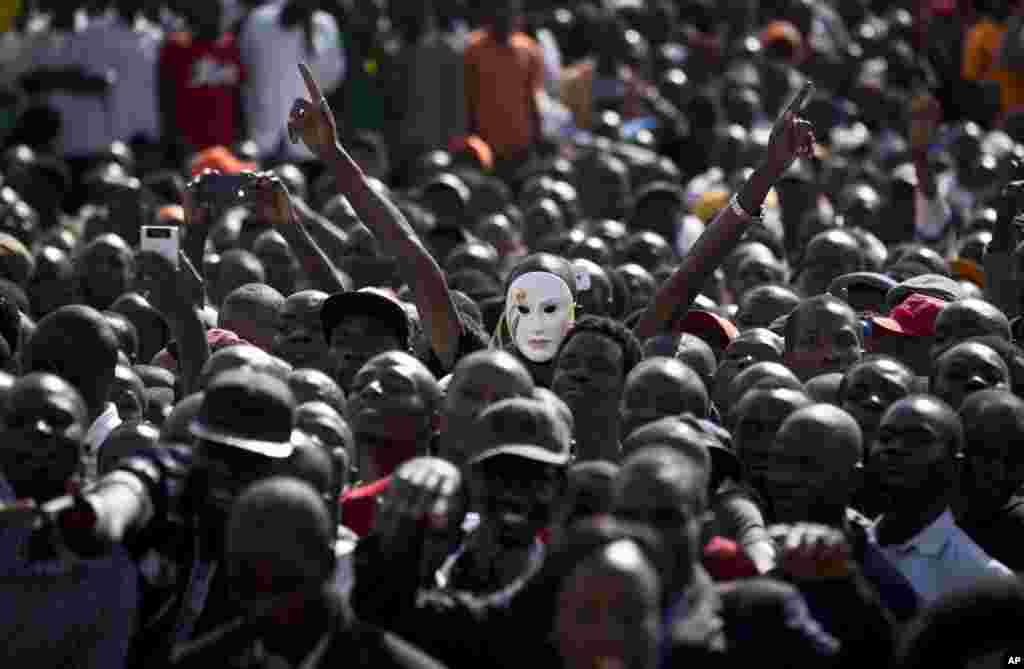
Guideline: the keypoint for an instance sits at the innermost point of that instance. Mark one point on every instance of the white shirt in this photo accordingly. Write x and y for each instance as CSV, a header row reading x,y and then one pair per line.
x,y
84,129
96,436
131,52
940,559
271,56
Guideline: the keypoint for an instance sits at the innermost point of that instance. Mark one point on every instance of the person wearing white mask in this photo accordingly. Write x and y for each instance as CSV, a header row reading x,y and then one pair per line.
x,y
540,308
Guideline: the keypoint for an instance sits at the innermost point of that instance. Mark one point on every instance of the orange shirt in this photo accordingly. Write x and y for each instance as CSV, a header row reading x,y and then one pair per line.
x,y
981,63
502,82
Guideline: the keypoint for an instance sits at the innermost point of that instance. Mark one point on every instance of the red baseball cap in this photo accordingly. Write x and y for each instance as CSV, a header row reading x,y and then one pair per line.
x,y
709,326
913,317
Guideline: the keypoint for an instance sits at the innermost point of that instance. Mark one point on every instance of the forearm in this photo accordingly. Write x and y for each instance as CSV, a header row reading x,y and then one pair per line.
x,y
416,266
193,347
716,242
334,242
317,264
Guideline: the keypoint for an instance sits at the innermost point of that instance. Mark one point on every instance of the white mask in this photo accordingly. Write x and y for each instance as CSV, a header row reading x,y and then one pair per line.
x,y
539,312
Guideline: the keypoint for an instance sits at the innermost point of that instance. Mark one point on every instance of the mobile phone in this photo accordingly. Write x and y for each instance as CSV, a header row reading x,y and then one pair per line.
x,y
223,190
162,239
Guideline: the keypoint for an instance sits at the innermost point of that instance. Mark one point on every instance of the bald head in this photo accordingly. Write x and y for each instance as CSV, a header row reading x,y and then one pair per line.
x,y
671,433
832,432
279,540
312,385
959,321
671,478
660,387
764,375
810,476
76,343
236,268
252,312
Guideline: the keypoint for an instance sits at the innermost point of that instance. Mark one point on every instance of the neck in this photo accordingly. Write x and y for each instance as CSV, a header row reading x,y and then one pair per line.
x,y
379,456
306,623
900,526
498,565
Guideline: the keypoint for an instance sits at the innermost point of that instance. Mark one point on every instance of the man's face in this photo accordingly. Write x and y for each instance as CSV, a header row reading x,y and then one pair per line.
x,y
515,497
825,262
473,388
387,400
760,307
607,617
806,474
991,474
755,272
968,368
300,336
281,266
910,460
870,388
748,349
658,390
354,341
42,437
325,425
827,340
105,272
661,502
758,418
589,373
960,321
127,394
229,471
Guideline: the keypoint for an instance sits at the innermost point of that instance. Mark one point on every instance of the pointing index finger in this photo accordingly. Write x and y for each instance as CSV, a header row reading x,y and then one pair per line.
x,y
314,89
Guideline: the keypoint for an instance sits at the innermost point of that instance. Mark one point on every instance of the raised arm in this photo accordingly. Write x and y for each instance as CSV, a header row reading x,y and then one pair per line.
x,y
277,205
793,137
313,122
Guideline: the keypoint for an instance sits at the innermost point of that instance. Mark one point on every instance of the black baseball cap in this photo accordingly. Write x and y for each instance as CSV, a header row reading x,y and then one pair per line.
x,y
366,301
525,428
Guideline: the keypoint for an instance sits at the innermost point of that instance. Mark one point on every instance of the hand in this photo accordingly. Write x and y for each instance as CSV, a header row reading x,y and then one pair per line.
x,y
792,136
196,211
272,201
420,497
312,120
810,552
170,289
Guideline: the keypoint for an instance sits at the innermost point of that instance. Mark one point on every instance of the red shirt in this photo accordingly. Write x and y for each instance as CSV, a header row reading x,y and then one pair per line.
x,y
207,78
359,506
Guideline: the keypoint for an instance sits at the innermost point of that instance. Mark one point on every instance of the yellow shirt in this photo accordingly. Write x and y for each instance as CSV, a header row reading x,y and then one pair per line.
x,y
981,63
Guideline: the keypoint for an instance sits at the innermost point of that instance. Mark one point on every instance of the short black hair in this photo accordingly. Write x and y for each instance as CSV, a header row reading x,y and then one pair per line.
x,y
632,351
792,322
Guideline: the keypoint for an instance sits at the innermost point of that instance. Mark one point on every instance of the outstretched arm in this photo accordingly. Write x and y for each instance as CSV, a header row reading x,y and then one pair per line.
x,y
792,137
313,122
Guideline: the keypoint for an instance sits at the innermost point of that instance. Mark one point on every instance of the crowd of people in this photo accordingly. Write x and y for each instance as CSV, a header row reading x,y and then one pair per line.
x,y
621,334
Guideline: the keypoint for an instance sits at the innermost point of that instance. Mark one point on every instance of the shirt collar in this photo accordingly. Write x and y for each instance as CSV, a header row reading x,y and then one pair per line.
x,y
929,541
102,427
